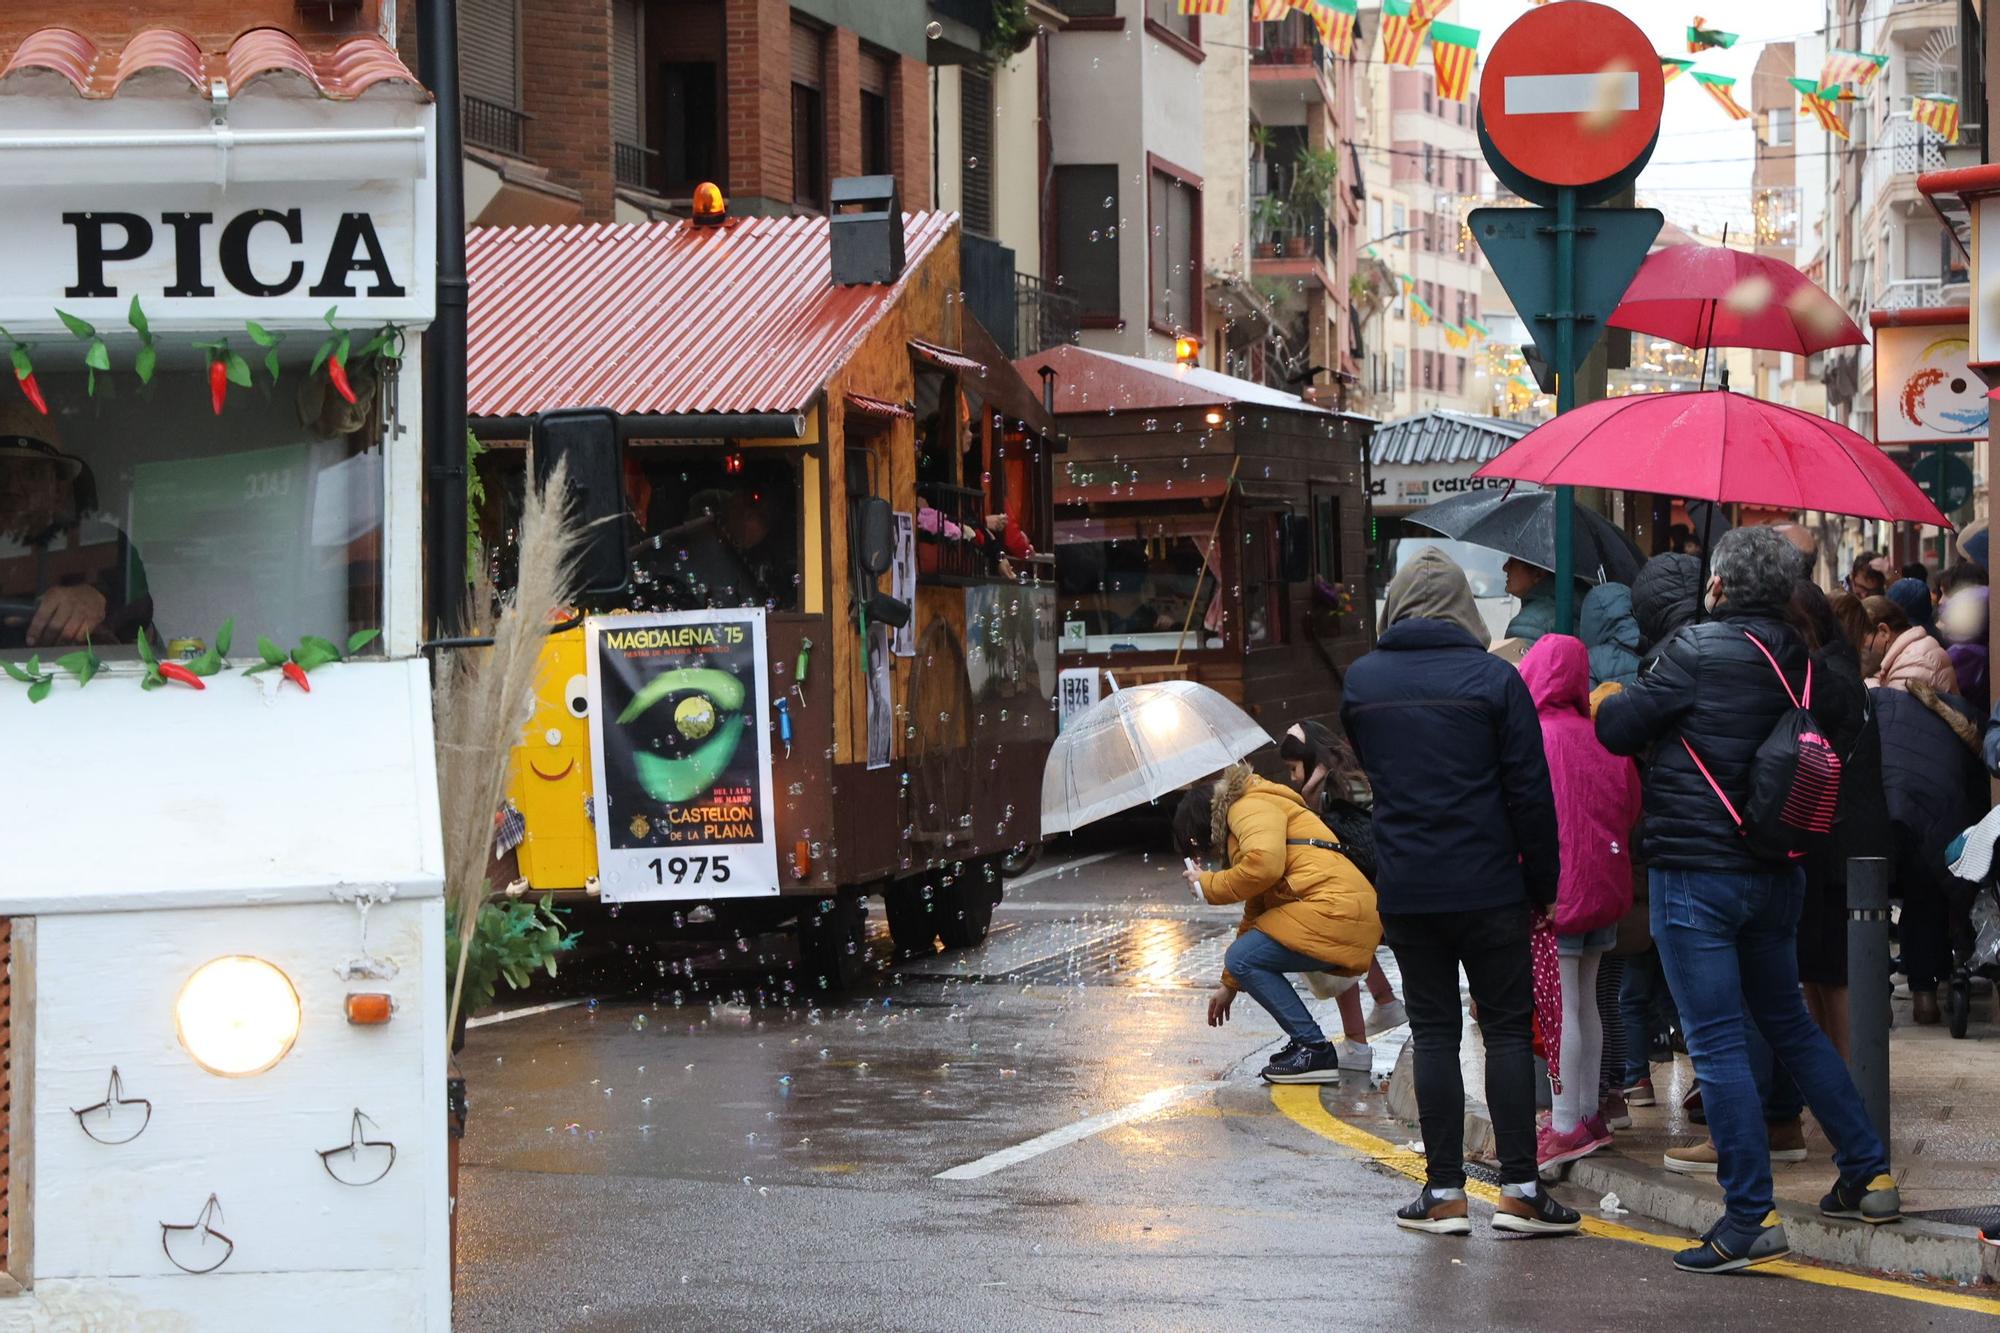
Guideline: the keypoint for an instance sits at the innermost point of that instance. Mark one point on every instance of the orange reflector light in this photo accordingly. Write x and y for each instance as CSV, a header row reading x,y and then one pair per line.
x,y
710,207
1187,350
1213,418
369,1009
801,860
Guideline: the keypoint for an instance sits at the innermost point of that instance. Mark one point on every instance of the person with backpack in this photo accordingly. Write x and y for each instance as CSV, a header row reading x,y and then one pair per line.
x,y
1306,908
1323,770
1597,800
1741,784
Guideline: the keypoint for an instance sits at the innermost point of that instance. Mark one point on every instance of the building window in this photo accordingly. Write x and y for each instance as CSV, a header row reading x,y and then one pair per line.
x,y
1326,528
808,115
975,104
1458,374
1086,259
490,73
1173,249
1430,370
1264,588
632,163
1778,126
1088,9
877,71
1402,218
1164,18
1430,104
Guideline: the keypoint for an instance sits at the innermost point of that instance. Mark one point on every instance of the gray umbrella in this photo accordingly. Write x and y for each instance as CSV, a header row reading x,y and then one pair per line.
x,y
1523,524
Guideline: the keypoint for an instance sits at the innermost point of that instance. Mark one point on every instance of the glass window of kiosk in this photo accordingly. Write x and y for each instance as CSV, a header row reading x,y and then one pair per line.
x,y
141,508
718,526
1128,583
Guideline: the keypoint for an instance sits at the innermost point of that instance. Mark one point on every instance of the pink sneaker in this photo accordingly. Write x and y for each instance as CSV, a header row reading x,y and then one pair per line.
x,y
1599,1129
1553,1149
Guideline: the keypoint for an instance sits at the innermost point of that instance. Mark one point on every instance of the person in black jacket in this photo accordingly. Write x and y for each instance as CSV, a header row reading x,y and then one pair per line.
x,y
1465,853
1726,921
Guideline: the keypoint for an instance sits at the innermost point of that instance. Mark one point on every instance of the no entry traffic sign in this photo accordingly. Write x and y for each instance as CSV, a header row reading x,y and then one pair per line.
x,y
1572,93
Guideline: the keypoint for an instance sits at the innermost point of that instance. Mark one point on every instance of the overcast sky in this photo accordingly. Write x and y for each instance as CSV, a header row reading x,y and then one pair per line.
x,y
1700,176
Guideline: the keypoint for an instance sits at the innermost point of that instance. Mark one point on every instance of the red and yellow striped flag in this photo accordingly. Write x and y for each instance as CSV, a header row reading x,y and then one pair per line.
x,y
1335,20
1454,51
1671,69
1858,68
1823,104
1402,33
1719,88
1937,113
1205,8
1269,11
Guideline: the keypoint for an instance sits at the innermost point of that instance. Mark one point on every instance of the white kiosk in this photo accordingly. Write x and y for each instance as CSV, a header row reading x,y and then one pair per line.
x,y
222,909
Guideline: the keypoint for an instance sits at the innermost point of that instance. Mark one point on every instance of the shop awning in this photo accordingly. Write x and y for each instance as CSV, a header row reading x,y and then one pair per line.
x,y
1443,437
163,60
999,385
878,408
942,357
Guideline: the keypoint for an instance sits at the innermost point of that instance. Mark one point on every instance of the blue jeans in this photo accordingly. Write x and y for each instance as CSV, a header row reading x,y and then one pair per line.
x,y
1728,943
1260,964
1641,996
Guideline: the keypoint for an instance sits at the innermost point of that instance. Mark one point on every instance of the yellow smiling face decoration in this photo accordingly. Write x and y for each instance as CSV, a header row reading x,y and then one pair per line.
x,y
551,776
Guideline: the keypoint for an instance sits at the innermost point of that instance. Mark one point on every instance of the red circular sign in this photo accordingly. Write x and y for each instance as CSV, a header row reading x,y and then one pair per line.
x,y
1572,93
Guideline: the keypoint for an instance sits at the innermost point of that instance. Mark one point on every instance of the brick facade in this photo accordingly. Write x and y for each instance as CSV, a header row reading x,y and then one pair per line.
x,y
910,132
566,87
843,103
758,77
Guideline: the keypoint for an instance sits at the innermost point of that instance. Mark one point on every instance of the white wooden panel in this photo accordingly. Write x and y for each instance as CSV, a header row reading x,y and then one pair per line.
x,y
252,1303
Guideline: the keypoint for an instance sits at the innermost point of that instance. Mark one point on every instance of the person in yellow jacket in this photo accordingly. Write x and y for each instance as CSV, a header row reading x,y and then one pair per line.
x,y
1306,908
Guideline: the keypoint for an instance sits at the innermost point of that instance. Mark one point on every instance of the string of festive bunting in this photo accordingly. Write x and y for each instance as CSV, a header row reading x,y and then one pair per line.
x,y
1719,88
1823,104
1424,11
1409,283
1937,113
1335,20
1421,312
1480,329
1402,33
1703,38
1454,51
1673,69
1269,11
1204,8
1858,68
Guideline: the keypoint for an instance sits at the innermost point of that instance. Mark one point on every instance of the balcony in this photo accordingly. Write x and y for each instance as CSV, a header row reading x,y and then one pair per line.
x,y
1911,148
1290,46
491,125
1043,317
1923,293
632,166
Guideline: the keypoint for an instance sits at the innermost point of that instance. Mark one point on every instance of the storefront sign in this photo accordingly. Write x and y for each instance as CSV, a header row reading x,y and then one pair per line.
x,y
1409,486
681,755
1924,394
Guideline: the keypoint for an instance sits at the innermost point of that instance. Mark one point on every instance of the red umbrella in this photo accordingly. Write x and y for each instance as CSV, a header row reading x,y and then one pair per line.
x,y
1712,296
1720,446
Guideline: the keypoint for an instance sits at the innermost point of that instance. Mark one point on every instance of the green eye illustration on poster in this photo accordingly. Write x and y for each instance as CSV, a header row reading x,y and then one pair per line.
x,y
683,767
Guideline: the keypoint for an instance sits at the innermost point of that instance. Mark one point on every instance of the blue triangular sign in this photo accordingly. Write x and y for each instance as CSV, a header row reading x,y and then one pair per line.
x,y
1520,244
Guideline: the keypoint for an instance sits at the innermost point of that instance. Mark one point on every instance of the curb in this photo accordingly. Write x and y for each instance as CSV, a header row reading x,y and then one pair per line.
x,y
1913,1247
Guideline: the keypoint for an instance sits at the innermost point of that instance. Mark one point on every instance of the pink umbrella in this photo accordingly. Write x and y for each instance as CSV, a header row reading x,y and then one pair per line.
x,y
1719,446
1712,296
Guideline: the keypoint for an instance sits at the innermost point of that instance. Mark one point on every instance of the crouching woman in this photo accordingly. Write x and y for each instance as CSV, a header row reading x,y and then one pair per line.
x,y
1306,908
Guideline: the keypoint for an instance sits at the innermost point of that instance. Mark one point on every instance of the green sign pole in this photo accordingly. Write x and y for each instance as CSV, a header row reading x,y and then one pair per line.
x,y
1566,359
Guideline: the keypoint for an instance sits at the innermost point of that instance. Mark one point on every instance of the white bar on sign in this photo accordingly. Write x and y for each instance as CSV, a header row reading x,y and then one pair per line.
x,y
1550,94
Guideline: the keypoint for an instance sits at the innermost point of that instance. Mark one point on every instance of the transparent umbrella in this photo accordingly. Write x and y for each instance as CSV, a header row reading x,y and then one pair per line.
x,y
1139,744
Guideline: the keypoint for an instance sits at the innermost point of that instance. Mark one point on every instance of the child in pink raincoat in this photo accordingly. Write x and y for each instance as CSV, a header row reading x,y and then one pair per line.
x,y
1597,802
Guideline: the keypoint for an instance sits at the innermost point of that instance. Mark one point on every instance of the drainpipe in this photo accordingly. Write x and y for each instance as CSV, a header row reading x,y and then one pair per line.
x,y
444,344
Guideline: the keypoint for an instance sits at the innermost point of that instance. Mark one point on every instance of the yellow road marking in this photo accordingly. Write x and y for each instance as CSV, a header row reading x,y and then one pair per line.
x,y
1301,1105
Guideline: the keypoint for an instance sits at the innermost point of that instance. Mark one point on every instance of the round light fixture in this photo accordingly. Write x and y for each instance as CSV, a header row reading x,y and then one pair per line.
x,y
237,1016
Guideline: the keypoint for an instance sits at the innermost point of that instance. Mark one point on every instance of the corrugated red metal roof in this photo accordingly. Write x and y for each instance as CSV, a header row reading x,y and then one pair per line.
x,y
878,407
1092,381
666,317
340,70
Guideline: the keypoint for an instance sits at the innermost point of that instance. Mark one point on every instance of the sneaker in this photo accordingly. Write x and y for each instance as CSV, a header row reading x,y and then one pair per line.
x,y
1536,1215
1553,1149
1697,1159
1691,1104
1660,1046
1437,1216
1611,1110
1788,1140
1289,1049
1716,1254
1307,1064
1600,1128
1385,1016
1875,1203
1638,1094
1357,1056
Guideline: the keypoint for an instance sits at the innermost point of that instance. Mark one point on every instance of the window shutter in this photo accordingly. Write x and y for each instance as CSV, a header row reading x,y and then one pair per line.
x,y
976,141
625,119
874,76
489,40
808,56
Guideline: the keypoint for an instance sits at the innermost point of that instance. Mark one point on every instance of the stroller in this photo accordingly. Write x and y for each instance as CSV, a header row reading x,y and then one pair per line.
x,y
1973,897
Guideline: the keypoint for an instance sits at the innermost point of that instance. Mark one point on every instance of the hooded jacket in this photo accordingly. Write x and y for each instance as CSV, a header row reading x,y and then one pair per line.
x,y
1712,688
1915,656
1930,777
1666,593
1914,597
1310,899
1597,793
1965,643
1464,815
1611,632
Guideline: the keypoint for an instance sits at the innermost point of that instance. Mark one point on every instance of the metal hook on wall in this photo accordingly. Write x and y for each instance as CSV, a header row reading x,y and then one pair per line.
x,y
202,1231
352,1152
112,1107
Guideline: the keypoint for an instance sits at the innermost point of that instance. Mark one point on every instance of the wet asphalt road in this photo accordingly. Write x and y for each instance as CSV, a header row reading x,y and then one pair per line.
x,y
722,1164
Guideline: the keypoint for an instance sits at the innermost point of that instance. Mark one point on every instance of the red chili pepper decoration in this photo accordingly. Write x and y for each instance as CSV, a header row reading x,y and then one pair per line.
x,y
218,382
174,671
34,393
297,675
336,374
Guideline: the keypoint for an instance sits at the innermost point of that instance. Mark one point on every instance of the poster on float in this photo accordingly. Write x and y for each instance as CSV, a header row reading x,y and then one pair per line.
x,y
681,754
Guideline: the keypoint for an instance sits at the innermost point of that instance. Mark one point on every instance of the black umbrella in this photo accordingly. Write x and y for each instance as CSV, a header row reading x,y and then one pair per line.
x,y
1523,524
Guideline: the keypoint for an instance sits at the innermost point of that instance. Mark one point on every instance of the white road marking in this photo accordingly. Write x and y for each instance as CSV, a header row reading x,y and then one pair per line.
x,y
1551,94
509,1015
1051,872
1150,1104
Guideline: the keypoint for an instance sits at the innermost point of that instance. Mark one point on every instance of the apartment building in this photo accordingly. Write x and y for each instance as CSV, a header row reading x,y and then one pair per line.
x,y
614,110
